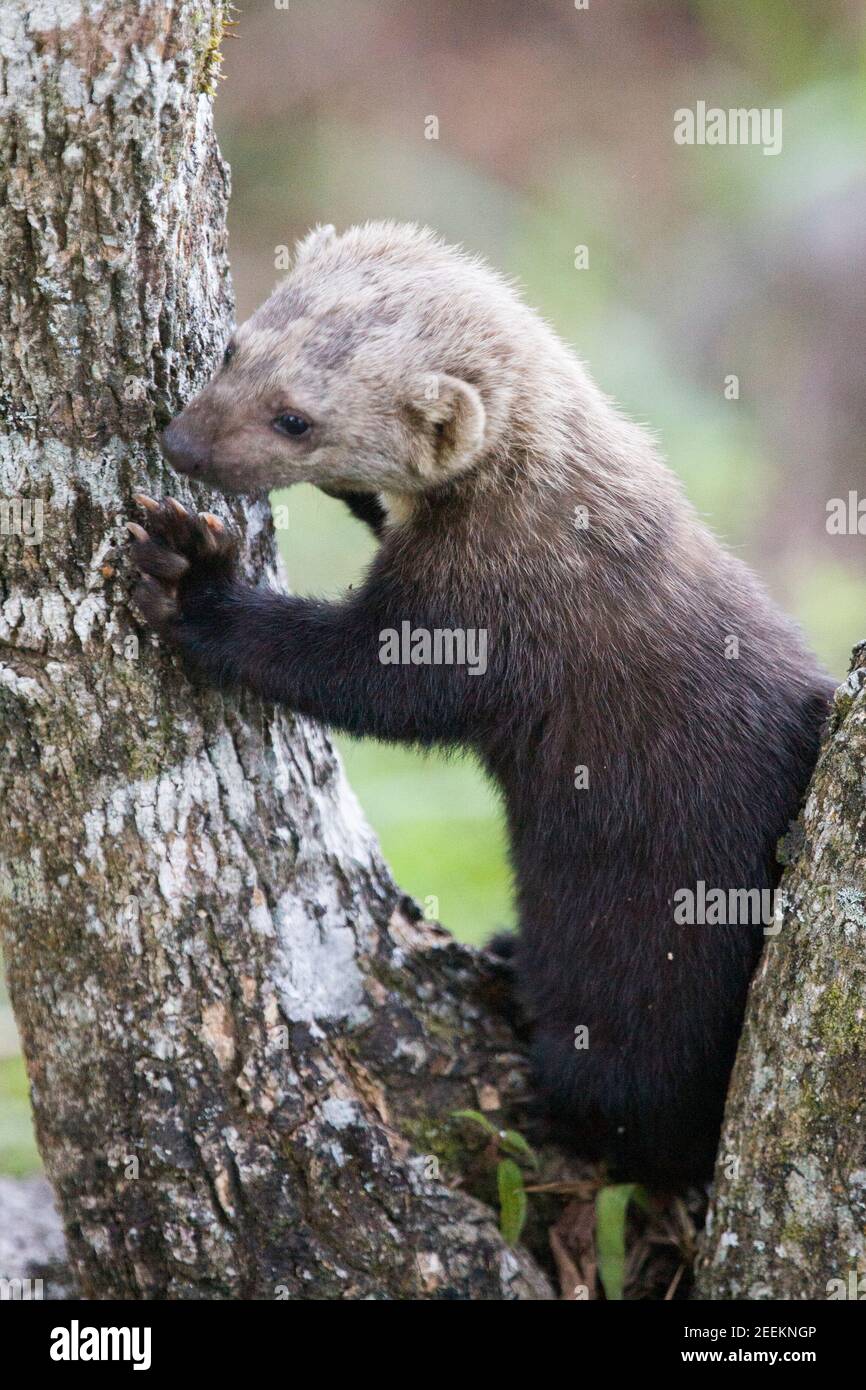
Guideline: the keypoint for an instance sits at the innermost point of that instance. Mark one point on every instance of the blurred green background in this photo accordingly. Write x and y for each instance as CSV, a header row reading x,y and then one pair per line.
x,y
555,131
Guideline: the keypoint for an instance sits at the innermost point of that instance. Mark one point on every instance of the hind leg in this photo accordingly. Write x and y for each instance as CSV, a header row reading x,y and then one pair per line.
x,y
502,951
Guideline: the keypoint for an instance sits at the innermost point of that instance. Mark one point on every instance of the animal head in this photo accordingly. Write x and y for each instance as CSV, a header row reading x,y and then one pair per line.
x,y
384,362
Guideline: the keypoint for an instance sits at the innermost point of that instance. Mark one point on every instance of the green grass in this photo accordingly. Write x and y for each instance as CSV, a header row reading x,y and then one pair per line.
x,y
441,831
18,1152
830,602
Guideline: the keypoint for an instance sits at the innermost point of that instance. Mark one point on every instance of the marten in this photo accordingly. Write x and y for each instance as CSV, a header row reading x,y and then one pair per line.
x,y
647,713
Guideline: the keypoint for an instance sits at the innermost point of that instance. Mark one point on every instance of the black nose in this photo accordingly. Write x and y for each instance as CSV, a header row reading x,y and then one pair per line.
x,y
183,450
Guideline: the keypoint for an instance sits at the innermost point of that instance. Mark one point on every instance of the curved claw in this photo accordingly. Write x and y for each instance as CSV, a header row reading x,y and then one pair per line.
x,y
142,500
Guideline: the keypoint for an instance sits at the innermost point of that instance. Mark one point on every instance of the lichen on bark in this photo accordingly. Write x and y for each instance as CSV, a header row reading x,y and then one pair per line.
x,y
234,1023
788,1216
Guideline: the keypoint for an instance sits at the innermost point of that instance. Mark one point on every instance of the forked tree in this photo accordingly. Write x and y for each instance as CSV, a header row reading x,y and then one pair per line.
x,y
243,1043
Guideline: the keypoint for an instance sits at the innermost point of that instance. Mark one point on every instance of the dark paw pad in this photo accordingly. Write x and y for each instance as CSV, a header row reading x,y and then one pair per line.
x,y
180,554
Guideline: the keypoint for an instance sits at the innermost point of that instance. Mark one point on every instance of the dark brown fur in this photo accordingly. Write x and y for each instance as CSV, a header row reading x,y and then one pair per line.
x,y
608,650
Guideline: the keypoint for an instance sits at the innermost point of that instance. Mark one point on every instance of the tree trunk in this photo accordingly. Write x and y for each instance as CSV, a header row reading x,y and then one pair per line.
x,y
788,1218
243,1045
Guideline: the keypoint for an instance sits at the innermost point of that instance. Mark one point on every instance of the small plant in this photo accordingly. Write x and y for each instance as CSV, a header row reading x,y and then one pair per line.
x,y
611,1211
508,1150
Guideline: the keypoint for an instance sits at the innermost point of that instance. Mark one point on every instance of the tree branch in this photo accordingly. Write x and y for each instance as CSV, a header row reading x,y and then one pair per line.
x,y
788,1215
242,1045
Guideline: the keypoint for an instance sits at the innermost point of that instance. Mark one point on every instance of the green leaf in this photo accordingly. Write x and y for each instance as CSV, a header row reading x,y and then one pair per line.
x,y
611,1208
515,1144
477,1118
512,1200
640,1197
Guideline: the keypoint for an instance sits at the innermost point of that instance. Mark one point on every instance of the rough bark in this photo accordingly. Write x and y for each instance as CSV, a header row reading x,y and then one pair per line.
x,y
243,1046
788,1217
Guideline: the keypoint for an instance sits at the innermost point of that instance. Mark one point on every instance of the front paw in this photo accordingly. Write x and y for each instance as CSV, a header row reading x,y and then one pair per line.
x,y
187,562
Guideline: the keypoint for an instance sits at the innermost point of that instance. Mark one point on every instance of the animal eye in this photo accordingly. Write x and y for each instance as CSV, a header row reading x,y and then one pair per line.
x,y
229,354
291,424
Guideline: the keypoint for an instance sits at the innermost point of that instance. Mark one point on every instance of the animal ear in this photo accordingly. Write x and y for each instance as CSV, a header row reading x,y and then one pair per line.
x,y
315,240
448,421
